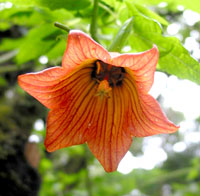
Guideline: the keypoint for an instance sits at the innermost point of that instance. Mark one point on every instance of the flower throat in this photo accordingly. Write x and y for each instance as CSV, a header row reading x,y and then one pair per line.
x,y
103,71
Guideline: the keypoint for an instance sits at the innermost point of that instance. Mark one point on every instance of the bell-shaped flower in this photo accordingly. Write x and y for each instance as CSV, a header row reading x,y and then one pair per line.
x,y
98,98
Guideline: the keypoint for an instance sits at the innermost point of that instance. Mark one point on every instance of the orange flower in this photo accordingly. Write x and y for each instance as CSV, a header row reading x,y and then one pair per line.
x,y
100,98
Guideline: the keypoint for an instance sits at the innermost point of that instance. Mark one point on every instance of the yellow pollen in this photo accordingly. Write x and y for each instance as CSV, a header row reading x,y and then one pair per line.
x,y
103,89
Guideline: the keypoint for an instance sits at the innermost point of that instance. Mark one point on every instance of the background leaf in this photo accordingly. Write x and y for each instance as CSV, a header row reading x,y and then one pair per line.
x,y
37,42
58,4
147,12
122,36
193,5
174,58
67,4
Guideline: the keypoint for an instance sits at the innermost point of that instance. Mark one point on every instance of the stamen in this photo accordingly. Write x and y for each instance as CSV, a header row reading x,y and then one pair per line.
x,y
98,67
103,71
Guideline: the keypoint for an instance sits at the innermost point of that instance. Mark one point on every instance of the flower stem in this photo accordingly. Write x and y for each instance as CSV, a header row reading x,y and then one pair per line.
x,y
62,26
93,25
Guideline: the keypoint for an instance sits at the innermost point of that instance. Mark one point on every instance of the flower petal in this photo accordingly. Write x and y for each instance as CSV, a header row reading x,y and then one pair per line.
x,y
81,48
107,137
143,66
147,117
54,87
68,125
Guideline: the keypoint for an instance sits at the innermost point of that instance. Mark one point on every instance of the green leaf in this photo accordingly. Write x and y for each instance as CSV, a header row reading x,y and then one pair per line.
x,y
121,37
38,41
57,51
67,4
147,12
174,58
132,9
23,16
52,4
137,9
4,26
20,2
193,5
142,25
10,44
30,16
46,164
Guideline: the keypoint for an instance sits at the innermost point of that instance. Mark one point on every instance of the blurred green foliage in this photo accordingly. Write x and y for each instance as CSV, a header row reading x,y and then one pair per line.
x,y
28,33
39,16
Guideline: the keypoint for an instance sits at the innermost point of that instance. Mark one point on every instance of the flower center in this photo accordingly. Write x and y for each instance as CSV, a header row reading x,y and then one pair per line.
x,y
103,89
103,71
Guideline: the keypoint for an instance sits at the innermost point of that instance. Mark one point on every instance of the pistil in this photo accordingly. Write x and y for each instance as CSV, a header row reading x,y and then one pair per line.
x,y
103,89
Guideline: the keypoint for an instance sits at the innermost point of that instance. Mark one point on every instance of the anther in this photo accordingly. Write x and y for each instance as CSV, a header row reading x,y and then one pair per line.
x,y
103,71
98,67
